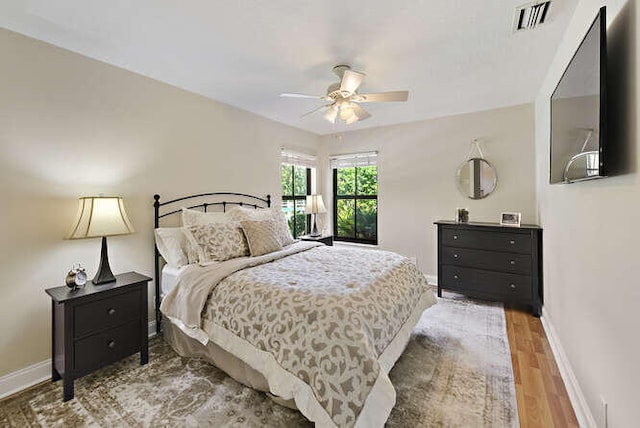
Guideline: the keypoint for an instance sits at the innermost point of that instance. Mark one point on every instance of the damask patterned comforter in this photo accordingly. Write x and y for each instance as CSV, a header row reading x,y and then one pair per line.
x,y
324,325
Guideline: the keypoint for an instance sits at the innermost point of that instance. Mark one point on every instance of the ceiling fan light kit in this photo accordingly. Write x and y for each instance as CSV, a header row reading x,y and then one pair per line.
x,y
343,97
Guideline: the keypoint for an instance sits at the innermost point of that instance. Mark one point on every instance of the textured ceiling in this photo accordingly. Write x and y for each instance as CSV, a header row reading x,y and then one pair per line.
x,y
453,56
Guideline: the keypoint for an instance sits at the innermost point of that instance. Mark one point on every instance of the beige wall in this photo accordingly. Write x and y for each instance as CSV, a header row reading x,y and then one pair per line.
x,y
417,167
591,233
71,126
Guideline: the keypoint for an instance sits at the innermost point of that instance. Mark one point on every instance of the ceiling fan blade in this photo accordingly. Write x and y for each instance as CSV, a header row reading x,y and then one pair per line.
x,y
314,110
293,95
351,81
382,97
359,112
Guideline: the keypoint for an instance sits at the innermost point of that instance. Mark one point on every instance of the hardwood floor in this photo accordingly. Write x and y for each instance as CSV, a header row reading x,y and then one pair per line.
x,y
542,397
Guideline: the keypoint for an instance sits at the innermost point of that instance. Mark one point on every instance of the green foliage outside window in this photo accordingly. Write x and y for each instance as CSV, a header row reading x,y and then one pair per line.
x,y
295,187
356,216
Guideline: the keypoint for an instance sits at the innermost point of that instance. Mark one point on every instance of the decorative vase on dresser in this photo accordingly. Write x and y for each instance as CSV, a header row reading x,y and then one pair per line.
x,y
492,262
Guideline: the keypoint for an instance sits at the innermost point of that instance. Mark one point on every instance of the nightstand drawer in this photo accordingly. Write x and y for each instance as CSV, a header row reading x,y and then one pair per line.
x,y
107,347
484,240
106,313
487,260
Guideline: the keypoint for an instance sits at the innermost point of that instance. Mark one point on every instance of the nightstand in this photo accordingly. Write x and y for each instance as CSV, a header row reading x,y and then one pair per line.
x,y
325,239
96,325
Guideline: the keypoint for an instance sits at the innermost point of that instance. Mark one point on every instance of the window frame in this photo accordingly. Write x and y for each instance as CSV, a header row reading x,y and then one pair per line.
x,y
293,197
355,197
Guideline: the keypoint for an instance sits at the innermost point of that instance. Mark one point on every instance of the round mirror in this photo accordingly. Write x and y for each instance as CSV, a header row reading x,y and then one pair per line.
x,y
476,178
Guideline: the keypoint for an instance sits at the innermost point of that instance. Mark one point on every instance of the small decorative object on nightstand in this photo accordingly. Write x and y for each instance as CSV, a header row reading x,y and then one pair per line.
x,y
100,216
315,206
325,239
94,326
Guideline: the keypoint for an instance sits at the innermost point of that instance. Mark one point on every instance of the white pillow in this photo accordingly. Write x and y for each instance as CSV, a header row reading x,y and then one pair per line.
x,y
192,217
172,245
275,214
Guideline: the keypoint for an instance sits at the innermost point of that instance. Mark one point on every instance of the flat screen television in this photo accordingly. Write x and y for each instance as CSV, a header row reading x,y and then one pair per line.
x,y
578,111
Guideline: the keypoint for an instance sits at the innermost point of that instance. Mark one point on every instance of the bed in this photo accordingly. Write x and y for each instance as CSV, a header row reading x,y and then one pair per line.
x,y
318,328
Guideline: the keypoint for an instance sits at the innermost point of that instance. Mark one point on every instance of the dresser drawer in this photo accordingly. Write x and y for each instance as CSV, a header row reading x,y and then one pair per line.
x,y
107,347
485,240
487,284
105,313
487,260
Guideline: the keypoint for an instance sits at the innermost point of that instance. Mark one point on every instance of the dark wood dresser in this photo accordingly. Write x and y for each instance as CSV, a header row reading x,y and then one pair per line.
x,y
96,325
492,262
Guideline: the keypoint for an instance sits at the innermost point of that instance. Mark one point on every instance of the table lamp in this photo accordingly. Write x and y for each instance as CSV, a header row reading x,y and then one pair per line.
x,y
100,216
315,206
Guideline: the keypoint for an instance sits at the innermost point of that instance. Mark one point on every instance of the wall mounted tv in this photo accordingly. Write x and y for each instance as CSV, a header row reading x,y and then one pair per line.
x,y
578,111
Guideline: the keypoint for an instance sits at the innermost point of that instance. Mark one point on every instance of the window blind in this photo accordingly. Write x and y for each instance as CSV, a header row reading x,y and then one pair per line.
x,y
289,157
354,159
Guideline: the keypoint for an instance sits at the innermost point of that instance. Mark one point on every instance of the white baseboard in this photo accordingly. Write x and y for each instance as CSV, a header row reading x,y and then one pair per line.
x,y
22,379
152,328
578,401
432,279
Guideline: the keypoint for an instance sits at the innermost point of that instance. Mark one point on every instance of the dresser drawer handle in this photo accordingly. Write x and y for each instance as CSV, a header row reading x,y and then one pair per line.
x,y
455,276
513,286
111,311
455,256
111,344
512,262
512,242
455,237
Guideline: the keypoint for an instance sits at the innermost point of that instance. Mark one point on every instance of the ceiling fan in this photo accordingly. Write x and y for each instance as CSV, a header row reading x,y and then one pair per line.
x,y
343,97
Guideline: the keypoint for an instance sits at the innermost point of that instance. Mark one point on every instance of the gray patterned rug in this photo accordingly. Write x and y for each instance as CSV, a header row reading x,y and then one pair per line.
x,y
456,371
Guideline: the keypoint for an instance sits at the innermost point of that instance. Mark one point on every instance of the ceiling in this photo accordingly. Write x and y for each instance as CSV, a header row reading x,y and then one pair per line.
x,y
453,56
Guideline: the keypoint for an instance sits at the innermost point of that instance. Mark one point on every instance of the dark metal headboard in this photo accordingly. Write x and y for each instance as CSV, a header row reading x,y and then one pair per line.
x,y
174,207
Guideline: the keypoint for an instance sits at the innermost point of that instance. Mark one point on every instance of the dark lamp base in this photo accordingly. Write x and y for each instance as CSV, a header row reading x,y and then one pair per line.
x,y
104,274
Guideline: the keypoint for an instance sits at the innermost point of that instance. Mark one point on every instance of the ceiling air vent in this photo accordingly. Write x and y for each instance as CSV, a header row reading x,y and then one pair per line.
x,y
530,15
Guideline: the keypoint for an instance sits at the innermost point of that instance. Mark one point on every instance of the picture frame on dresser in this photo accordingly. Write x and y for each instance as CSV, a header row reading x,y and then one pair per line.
x,y
491,262
510,219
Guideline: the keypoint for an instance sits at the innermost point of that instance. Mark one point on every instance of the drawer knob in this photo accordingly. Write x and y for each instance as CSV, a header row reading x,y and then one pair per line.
x,y
111,344
513,286
455,236
111,311
455,256
455,276
512,242
512,262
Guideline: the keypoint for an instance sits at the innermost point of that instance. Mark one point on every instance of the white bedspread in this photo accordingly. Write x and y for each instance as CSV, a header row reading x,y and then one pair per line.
x,y
324,325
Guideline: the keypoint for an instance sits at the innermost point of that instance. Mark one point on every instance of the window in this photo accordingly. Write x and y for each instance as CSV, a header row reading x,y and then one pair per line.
x,y
296,172
355,198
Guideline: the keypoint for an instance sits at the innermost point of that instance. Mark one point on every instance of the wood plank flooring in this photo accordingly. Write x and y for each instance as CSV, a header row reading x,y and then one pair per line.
x,y
540,392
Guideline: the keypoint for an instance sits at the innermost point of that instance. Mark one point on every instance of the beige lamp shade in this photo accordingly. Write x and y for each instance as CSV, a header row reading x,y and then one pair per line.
x,y
314,205
100,216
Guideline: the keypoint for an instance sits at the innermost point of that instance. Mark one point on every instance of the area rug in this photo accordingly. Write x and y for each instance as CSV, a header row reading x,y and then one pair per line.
x,y
456,371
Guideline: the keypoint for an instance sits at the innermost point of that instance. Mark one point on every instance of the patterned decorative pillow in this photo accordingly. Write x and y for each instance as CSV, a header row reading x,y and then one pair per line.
x,y
261,236
282,229
191,217
284,233
216,242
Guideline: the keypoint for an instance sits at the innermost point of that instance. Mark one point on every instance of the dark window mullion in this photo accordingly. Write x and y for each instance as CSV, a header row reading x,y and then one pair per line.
x,y
355,203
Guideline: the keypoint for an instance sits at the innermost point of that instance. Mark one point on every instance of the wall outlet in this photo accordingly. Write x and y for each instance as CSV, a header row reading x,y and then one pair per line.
x,y
605,419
